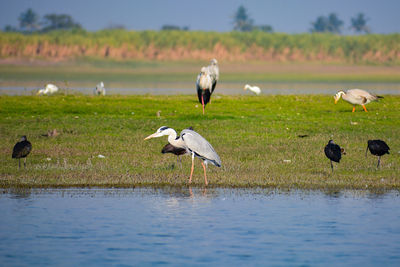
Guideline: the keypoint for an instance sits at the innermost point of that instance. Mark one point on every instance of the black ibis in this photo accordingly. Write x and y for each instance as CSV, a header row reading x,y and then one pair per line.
x,y
377,148
333,152
22,150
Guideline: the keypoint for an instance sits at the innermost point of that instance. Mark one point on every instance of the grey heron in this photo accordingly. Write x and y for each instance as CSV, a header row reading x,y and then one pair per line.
x,y
193,143
204,86
100,90
356,97
22,150
49,90
333,152
377,148
254,89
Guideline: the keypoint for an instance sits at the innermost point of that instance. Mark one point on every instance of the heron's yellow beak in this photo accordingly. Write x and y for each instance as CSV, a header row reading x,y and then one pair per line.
x,y
153,136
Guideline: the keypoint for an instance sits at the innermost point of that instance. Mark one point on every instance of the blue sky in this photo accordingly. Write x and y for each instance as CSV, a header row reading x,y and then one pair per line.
x,y
291,16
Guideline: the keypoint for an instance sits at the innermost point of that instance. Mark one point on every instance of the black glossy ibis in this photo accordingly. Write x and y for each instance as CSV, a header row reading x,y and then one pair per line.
x,y
377,148
333,152
22,150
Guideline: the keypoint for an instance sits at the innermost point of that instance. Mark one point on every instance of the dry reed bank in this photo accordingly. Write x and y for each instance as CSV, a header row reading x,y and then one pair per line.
x,y
190,45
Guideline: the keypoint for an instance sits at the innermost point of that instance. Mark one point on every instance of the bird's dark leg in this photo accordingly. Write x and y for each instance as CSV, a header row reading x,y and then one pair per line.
x,y
178,161
366,152
205,176
19,163
379,161
202,103
331,166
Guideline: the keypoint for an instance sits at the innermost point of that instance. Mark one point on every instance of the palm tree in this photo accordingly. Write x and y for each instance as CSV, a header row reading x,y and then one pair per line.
x,y
29,20
242,22
359,24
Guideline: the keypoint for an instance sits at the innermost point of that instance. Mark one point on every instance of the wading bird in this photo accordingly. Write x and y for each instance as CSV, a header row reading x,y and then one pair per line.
x,y
100,90
254,89
377,148
178,151
21,150
213,70
356,97
204,86
194,144
49,90
333,152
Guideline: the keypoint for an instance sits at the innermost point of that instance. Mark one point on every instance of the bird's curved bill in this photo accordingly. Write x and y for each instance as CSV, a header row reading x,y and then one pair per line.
x,y
153,136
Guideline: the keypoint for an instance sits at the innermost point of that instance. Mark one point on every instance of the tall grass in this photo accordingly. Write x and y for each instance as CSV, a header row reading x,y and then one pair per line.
x,y
373,48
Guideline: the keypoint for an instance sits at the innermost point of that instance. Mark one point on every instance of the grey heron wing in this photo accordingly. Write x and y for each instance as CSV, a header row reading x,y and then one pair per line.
x,y
199,145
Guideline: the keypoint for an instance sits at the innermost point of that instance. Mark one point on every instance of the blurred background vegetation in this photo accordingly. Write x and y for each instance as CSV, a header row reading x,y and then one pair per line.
x,y
60,37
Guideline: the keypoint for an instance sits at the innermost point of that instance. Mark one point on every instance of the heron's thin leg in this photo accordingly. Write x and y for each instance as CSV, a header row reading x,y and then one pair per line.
x,y
331,166
205,176
354,108
24,162
379,161
202,102
366,152
365,108
190,191
191,172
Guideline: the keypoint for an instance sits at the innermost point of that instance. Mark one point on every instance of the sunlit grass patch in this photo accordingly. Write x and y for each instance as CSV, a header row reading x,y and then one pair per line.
x,y
257,139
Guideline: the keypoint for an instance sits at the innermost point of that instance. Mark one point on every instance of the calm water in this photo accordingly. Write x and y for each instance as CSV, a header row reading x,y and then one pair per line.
x,y
223,88
183,227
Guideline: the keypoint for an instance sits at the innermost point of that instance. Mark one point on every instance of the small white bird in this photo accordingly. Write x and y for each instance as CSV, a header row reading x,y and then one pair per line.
x,y
100,90
49,90
356,97
254,89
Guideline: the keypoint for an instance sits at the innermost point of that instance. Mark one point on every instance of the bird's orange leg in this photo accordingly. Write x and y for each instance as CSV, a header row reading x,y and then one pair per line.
x,y
202,103
364,108
354,108
205,176
191,172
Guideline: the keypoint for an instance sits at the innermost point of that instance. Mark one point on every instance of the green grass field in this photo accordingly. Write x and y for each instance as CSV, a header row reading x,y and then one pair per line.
x,y
256,138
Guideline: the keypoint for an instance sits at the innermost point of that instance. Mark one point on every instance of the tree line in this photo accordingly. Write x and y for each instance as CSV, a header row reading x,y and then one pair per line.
x,y
29,21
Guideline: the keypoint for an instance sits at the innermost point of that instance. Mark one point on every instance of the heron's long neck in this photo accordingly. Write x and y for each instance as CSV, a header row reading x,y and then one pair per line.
x,y
173,140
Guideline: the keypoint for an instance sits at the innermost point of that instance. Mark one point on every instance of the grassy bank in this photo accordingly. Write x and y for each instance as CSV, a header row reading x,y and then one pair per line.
x,y
256,138
192,45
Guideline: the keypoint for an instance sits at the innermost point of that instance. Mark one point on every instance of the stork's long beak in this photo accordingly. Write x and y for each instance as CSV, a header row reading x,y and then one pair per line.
x,y
336,99
153,136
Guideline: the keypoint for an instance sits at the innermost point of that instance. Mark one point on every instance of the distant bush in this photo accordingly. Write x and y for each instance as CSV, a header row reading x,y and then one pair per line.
x,y
186,45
